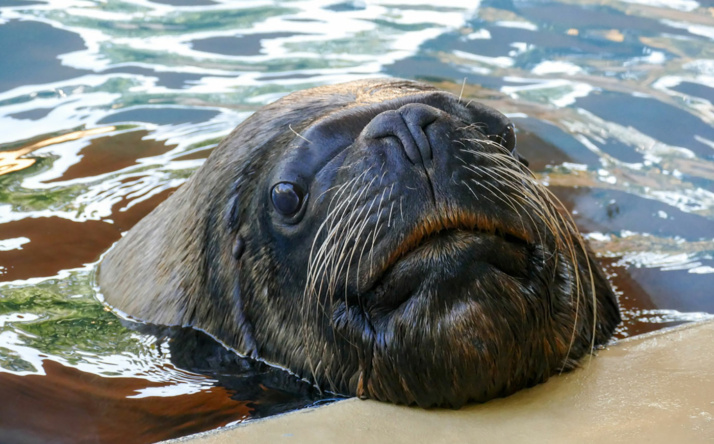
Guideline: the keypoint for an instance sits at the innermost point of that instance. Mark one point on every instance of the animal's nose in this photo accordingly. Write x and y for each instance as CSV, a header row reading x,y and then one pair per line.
x,y
408,125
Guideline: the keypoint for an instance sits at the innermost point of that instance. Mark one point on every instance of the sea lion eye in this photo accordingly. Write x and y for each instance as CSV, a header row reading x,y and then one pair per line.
x,y
287,198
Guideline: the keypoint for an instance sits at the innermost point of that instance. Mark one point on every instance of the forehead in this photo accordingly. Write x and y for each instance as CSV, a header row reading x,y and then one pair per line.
x,y
280,122
324,100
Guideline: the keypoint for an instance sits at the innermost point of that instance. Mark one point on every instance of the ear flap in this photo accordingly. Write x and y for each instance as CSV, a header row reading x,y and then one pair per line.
x,y
233,213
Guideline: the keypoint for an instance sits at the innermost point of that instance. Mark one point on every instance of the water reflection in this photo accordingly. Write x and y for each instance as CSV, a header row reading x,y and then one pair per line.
x,y
107,107
90,400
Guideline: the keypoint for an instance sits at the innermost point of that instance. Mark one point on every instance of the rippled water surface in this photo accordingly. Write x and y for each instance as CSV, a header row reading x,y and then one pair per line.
x,y
107,106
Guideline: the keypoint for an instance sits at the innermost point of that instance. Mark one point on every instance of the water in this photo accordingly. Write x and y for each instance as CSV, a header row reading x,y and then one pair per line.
x,y
107,107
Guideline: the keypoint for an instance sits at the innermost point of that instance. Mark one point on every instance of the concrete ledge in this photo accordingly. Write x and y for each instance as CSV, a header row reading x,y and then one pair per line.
x,y
657,388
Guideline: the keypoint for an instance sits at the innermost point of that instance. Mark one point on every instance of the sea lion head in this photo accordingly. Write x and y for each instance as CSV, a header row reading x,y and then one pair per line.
x,y
379,238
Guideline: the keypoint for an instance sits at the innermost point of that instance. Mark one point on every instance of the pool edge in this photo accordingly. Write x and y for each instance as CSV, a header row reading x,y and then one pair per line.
x,y
657,387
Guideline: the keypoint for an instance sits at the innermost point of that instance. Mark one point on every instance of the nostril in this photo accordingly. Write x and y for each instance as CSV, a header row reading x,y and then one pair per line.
x,y
418,116
407,124
391,124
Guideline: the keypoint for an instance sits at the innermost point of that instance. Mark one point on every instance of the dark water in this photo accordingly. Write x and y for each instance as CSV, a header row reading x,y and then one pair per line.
x,y
107,107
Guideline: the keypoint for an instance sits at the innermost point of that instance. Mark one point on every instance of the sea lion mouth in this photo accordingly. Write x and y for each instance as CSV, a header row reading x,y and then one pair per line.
x,y
444,247
443,222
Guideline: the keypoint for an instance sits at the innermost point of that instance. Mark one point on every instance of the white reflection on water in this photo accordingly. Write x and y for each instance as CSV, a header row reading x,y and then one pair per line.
x,y
15,243
682,5
69,109
153,365
140,356
559,92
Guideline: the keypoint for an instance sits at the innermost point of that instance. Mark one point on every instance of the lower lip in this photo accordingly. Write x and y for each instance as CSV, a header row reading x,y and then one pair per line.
x,y
445,255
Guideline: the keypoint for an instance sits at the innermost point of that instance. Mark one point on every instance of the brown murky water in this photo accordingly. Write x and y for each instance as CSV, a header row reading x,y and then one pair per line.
x,y
102,409
106,108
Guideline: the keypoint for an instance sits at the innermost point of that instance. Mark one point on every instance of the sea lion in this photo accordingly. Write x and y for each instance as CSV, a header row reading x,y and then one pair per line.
x,y
380,238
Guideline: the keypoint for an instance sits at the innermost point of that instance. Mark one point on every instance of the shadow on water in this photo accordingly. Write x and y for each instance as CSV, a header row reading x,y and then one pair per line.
x,y
107,107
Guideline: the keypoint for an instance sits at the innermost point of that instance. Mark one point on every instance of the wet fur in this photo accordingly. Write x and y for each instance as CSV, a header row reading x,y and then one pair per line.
x,y
176,267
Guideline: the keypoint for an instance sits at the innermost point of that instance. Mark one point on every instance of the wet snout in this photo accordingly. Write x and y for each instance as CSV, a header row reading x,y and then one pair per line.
x,y
407,124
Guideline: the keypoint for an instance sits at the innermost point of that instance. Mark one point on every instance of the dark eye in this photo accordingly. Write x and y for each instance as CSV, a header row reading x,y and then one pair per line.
x,y
287,198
